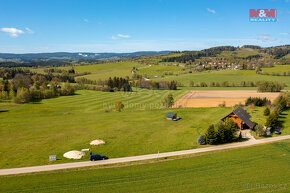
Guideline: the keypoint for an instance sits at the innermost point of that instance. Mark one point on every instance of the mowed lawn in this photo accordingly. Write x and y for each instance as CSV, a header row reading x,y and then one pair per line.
x,y
29,133
262,168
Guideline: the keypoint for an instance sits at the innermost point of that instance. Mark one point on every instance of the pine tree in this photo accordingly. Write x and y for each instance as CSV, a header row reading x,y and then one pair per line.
x,y
221,133
211,135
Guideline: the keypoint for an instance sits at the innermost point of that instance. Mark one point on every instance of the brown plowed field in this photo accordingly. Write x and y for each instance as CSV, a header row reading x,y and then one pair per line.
x,y
202,98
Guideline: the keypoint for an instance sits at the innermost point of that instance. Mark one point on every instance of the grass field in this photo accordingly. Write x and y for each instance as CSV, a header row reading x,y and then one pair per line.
x,y
55,126
102,71
32,132
235,76
263,168
277,68
244,52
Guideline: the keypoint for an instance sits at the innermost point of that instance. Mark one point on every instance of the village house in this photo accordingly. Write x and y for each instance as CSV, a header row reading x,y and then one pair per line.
x,y
241,118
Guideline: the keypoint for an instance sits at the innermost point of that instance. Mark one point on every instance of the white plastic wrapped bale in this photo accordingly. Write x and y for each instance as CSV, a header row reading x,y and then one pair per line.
x,y
74,154
97,142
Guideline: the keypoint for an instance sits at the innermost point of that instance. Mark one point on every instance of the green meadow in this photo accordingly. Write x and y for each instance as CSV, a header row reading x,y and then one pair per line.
x,y
262,168
235,76
54,126
278,69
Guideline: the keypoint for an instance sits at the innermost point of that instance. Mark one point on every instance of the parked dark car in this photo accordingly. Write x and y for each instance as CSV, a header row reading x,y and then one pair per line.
x,y
94,157
277,131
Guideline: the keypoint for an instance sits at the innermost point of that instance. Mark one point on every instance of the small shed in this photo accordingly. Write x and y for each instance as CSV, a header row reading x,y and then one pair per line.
x,y
171,116
241,118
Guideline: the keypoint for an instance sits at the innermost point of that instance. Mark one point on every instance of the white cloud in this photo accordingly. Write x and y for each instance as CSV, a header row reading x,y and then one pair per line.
x,y
285,34
211,10
29,31
123,36
265,38
120,36
264,34
86,20
13,32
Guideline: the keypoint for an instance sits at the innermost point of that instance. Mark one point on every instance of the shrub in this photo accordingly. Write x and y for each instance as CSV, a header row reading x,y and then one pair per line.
x,y
119,106
260,131
270,86
168,101
282,101
257,101
222,104
267,111
201,140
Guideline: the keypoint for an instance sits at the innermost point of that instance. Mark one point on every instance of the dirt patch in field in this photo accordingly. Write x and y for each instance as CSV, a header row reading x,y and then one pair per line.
x,y
202,98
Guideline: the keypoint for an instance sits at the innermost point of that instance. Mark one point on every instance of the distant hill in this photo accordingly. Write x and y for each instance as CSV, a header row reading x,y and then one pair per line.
x,y
73,56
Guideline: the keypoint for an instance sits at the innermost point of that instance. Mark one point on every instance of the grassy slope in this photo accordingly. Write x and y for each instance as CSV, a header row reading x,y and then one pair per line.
x,y
101,71
263,168
104,71
243,52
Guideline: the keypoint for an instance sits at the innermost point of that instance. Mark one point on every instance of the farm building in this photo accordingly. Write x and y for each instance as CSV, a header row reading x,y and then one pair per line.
x,y
241,118
171,116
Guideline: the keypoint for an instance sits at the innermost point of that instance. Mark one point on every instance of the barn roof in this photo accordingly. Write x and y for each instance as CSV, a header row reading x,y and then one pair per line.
x,y
170,115
242,114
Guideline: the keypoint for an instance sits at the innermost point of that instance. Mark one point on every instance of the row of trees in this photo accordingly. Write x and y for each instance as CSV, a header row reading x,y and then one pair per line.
x,y
158,85
280,104
274,73
223,84
223,132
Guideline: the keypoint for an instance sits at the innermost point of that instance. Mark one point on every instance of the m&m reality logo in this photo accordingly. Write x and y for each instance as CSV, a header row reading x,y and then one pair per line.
x,y
263,15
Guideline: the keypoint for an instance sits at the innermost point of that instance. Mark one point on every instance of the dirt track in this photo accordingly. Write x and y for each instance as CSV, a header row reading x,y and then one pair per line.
x,y
203,98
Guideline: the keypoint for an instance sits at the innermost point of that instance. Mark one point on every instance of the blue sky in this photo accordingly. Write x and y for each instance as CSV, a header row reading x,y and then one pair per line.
x,y
136,25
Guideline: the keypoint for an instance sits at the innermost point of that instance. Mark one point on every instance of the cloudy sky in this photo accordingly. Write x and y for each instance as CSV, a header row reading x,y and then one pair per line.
x,y
131,25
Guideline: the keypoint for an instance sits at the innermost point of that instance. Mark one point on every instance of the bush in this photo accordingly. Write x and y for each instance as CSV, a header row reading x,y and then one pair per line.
x,y
267,111
260,131
270,86
119,106
282,101
168,101
257,101
201,140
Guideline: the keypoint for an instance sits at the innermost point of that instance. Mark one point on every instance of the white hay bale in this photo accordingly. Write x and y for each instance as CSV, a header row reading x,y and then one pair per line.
x,y
74,154
97,142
